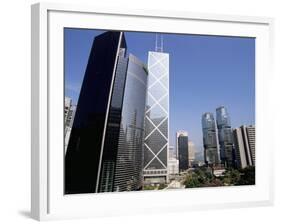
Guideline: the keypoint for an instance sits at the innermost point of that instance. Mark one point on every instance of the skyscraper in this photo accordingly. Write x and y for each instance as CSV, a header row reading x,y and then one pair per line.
x,y
182,149
157,118
69,113
173,166
251,134
210,139
172,152
225,136
106,143
173,162
191,153
244,140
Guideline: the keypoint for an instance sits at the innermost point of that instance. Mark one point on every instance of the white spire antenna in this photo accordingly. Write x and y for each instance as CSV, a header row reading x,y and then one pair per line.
x,y
159,42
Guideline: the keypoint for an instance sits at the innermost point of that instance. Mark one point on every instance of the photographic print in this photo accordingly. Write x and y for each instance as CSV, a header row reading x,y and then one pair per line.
x,y
157,111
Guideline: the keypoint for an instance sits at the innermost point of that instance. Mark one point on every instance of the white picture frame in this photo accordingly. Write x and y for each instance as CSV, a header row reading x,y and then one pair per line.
x,y
47,198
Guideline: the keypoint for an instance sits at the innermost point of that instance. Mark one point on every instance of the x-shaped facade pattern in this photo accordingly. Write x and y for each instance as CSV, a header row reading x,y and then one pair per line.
x,y
157,112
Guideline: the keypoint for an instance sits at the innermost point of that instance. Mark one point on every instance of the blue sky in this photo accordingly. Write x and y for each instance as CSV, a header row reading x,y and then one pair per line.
x,y
205,72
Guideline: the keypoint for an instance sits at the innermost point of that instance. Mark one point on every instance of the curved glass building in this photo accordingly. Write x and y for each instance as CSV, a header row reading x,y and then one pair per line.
x,y
121,162
225,136
210,139
105,150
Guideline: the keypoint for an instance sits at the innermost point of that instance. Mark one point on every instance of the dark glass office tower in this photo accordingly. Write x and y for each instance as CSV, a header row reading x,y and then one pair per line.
x,y
225,137
182,150
107,133
210,139
122,160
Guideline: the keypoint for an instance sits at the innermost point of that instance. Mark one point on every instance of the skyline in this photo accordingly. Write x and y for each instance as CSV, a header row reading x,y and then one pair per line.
x,y
202,90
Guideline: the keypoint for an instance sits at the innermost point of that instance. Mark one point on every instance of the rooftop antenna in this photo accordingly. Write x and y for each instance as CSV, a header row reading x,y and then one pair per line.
x,y
159,42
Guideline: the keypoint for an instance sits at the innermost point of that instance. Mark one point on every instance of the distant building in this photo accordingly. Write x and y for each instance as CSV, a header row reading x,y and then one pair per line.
x,y
172,152
191,153
225,137
197,163
67,105
210,139
173,166
69,113
182,150
244,140
199,155
173,162
251,133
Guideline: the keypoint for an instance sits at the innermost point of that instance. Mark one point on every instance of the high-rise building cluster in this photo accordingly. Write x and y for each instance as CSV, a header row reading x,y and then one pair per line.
x,y
226,146
119,136
182,157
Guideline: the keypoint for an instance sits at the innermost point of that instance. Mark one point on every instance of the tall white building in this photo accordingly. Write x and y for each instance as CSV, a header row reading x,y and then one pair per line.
x,y
191,153
172,153
173,162
157,118
251,133
69,113
244,140
173,166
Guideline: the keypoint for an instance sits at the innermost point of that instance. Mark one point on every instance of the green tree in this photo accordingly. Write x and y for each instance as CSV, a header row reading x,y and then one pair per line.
x,y
161,186
203,177
192,181
200,177
247,176
149,187
215,183
231,177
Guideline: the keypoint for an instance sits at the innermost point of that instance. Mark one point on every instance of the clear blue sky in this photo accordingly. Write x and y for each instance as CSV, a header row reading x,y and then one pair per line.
x,y
205,72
